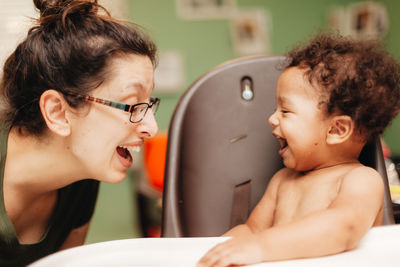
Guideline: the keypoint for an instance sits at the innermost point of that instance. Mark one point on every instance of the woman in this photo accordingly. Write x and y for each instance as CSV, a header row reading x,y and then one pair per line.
x,y
77,101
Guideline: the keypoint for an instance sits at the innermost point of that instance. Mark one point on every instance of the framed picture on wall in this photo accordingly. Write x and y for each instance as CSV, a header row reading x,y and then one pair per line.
x,y
363,20
169,76
249,30
205,9
368,20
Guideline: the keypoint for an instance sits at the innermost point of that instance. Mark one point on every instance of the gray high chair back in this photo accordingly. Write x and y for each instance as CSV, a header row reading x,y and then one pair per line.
x,y
221,153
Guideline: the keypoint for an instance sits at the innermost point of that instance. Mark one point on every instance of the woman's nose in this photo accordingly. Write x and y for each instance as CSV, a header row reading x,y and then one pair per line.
x,y
148,127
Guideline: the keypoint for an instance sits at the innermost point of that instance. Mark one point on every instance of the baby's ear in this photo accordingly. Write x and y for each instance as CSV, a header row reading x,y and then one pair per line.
x,y
340,129
53,107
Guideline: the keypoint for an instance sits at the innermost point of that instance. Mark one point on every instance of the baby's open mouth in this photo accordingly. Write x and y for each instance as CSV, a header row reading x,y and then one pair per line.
x,y
282,142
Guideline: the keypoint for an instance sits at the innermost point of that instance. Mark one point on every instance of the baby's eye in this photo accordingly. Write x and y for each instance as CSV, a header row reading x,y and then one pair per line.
x,y
284,111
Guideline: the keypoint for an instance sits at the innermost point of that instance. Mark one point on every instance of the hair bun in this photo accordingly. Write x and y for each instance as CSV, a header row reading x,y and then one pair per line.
x,y
68,12
46,5
40,4
53,7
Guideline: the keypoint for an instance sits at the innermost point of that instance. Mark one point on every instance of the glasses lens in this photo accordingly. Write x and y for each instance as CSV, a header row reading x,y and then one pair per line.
x,y
155,102
138,112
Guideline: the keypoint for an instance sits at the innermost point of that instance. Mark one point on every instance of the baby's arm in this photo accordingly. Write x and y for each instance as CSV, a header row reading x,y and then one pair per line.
x,y
338,228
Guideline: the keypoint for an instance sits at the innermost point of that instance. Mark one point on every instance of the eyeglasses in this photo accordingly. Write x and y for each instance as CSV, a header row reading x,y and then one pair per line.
x,y
138,111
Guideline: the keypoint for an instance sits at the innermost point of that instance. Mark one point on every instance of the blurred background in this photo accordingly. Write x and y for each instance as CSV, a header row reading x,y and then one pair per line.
x,y
194,36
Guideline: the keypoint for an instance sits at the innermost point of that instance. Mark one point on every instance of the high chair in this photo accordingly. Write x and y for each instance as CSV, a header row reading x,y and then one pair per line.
x,y
221,153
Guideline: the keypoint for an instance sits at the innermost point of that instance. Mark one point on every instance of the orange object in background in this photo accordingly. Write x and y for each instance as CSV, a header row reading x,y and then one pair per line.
x,y
155,150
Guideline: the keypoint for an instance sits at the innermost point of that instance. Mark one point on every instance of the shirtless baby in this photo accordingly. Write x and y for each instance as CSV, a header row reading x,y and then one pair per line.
x,y
335,95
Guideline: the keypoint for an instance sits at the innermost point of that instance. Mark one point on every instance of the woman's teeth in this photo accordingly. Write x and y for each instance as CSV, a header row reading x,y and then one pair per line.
x,y
128,151
132,149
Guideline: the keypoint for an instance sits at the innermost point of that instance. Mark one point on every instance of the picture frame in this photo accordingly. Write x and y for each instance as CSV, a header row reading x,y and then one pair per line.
x,y
249,31
205,9
368,20
169,76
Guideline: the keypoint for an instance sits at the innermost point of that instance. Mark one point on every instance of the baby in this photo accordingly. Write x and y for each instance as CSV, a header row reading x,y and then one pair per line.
x,y
335,95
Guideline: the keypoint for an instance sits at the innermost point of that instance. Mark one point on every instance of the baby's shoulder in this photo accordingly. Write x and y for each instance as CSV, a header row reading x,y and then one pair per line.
x,y
284,175
362,174
363,171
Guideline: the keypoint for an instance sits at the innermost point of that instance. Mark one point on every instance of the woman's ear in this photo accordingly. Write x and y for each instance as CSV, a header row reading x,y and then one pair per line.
x,y
341,128
53,107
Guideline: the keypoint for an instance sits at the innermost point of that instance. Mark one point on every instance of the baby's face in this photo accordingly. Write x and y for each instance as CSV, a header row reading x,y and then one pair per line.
x,y
299,124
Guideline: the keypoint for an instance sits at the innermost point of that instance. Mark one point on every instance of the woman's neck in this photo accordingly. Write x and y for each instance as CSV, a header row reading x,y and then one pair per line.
x,y
38,166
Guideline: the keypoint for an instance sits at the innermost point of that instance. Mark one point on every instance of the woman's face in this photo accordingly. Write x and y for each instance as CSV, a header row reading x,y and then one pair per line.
x,y
103,137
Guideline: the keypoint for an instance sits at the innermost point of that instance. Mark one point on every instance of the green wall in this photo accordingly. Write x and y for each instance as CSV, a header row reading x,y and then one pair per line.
x,y
392,42
207,43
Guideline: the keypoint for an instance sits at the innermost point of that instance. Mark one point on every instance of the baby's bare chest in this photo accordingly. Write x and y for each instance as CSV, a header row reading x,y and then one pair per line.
x,y
299,198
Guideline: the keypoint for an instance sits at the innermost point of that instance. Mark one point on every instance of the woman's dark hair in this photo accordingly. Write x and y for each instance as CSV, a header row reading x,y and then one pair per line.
x,y
69,50
356,78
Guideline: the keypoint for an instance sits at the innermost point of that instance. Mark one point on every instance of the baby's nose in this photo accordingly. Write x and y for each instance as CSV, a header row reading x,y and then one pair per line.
x,y
273,120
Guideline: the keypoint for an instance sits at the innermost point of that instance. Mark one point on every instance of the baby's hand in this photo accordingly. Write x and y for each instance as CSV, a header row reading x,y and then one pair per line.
x,y
242,249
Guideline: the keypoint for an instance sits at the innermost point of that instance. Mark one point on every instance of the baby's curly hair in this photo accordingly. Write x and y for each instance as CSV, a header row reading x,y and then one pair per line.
x,y
356,78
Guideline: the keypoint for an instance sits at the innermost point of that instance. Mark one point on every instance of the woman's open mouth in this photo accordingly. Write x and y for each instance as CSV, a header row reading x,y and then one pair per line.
x,y
125,154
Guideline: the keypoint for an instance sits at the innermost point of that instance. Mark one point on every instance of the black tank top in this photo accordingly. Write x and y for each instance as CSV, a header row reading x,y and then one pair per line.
x,y
74,208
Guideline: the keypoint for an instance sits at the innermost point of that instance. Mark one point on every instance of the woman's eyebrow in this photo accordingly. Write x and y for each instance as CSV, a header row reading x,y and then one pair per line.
x,y
137,94
138,85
